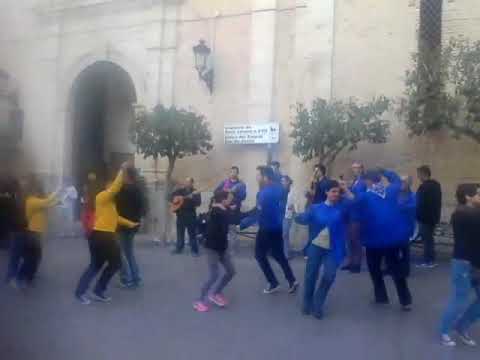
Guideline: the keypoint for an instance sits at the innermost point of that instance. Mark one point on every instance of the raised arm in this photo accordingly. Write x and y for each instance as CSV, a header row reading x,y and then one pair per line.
x,y
395,183
110,193
39,203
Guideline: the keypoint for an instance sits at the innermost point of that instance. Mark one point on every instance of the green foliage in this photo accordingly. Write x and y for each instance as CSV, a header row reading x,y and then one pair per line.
x,y
442,90
170,132
328,128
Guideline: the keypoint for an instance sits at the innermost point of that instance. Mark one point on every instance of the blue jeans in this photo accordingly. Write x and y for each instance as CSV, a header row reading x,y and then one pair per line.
x,y
129,272
17,244
458,314
313,300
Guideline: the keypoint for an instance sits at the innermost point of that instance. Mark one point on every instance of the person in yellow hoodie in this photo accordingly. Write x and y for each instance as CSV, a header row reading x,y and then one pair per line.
x,y
36,211
104,248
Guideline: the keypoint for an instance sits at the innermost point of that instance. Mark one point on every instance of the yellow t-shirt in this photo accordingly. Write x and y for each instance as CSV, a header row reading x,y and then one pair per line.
x,y
106,215
323,239
36,212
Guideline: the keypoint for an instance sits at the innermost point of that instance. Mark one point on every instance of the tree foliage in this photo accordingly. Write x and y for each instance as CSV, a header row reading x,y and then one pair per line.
x,y
329,127
443,91
170,133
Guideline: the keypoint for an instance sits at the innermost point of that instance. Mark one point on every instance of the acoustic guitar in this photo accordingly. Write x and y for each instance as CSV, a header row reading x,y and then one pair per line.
x,y
179,200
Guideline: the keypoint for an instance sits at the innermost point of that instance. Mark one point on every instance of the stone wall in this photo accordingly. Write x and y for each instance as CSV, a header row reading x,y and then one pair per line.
x,y
372,53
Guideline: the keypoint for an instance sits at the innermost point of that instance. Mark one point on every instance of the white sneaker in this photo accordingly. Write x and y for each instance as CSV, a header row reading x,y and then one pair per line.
x,y
83,299
466,339
271,289
448,341
101,298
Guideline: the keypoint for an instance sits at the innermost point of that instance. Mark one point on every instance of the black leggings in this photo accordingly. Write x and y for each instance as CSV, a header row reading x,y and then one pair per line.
x,y
104,248
32,255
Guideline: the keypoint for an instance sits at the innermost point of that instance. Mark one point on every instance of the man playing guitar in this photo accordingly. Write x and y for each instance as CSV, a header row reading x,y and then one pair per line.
x,y
184,202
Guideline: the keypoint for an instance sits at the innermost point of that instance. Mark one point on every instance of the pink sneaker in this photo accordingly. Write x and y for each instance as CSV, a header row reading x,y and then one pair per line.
x,y
218,299
200,306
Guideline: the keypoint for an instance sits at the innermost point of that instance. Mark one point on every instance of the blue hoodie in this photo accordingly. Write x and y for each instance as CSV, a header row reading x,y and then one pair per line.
x,y
379,213
268,212
333,217
358,187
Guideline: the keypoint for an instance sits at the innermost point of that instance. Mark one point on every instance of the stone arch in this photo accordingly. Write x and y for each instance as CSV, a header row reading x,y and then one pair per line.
x,y
108,54
133,80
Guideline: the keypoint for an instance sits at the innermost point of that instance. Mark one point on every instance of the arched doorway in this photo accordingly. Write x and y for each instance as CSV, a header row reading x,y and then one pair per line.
x,y
101,110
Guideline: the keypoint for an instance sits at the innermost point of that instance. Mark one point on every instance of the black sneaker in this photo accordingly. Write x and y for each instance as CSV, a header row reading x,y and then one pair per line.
x,y
293,287
176,252
318,315
355,269
346,267
270,289
101,297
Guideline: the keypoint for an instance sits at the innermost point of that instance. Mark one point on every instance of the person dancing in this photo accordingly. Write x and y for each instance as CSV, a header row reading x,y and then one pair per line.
x,y
329,223
269,236
103,245
36,212
216,250
379,213
465,267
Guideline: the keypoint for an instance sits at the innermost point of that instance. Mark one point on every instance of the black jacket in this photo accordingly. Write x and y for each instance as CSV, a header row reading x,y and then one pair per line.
x,y
131,202
466,232
429,202
188,211
217,230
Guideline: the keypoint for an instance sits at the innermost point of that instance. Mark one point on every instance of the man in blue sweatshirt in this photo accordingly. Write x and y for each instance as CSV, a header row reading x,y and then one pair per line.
x,y
329,223
379,213
269,237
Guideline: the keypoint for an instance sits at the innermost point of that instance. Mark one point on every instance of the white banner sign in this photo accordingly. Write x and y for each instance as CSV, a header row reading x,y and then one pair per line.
x,y
267,133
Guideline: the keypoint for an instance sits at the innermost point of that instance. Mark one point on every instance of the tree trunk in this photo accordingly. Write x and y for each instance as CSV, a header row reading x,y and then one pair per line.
x,y
167,216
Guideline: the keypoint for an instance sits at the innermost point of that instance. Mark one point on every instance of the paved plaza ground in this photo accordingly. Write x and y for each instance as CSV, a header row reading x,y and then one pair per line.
x,y
158,322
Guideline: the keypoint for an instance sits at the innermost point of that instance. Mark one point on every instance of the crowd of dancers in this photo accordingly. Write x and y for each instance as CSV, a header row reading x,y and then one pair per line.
x,y
375,214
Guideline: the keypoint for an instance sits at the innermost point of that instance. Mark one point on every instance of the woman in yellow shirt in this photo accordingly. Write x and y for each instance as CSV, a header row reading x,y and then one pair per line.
x,y
103,246
36,211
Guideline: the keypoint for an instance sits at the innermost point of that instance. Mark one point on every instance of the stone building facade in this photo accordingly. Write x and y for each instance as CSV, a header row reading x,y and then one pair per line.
x,y
66,56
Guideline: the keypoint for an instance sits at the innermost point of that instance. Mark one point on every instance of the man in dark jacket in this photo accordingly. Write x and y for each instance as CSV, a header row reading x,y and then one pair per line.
x,y
238,189
187,216
429,207
131,204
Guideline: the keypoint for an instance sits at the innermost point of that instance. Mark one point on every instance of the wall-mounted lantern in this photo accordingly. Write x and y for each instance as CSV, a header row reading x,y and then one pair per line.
x,y
203,64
